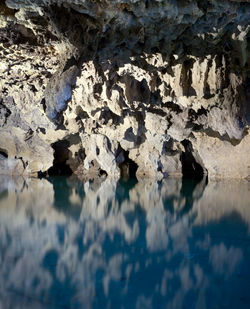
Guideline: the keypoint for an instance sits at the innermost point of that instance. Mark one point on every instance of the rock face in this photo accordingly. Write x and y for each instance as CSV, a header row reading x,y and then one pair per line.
x,y
108,87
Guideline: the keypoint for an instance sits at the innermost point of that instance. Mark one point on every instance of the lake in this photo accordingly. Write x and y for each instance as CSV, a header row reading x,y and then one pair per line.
x,y
124,244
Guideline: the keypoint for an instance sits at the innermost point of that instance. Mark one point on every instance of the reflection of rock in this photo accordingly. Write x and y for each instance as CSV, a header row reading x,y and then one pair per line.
x,y
225,261
223,198
8,183
27,231
91,242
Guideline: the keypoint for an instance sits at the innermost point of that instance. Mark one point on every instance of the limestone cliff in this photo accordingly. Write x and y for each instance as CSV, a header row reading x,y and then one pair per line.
x,y
122,86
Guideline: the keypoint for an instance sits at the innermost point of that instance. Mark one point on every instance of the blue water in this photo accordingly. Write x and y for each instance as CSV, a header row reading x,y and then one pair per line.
x,y
127,244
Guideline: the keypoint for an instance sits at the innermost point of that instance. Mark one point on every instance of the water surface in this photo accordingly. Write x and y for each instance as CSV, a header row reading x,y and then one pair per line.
x,y
128,244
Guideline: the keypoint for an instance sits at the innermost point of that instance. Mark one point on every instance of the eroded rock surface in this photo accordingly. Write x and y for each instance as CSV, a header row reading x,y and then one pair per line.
x,y
162,85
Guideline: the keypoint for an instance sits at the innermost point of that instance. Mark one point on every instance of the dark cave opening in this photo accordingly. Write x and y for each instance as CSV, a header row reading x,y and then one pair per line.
x,y
102,173
61,155
3,153
128,167
191,169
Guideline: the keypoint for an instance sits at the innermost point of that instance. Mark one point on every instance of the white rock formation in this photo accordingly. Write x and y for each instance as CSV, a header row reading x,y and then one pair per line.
x,y
162,83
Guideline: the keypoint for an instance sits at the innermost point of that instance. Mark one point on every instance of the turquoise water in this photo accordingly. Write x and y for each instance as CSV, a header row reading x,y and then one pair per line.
x,y
127,244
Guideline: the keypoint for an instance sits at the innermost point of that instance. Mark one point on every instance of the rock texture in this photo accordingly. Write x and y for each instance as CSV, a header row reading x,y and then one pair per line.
x,y
117,87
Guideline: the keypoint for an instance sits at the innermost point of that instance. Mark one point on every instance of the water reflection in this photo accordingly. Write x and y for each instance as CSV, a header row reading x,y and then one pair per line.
x,y
170,244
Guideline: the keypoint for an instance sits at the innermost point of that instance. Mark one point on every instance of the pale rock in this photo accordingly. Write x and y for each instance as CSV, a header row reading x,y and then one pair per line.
x,y
112,80
98,148
235,163
31,151
11,166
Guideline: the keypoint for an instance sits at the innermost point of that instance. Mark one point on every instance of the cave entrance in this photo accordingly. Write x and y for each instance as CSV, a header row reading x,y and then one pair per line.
x,y
3,153
190,167
61,155
128,167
